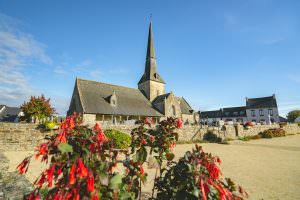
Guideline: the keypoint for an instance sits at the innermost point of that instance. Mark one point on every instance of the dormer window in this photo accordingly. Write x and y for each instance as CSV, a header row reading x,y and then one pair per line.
x,y
113,99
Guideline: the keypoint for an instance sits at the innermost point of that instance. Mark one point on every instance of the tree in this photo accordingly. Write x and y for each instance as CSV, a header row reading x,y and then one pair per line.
x,y
38,107
292,115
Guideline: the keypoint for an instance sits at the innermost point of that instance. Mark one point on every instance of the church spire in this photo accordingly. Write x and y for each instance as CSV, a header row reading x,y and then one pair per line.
x,y
150,46
150,65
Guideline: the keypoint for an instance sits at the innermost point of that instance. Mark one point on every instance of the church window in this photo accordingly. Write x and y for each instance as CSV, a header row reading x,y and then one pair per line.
x,y
173,110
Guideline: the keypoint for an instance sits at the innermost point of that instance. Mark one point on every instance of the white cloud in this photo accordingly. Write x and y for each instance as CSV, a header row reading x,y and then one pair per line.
x,y
17,51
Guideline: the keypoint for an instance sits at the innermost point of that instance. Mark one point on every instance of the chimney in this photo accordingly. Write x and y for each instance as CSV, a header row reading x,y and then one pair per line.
x,y
273,96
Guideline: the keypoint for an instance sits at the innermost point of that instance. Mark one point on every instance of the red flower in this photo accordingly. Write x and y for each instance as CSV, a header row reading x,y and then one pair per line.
x,y
82,171
148,120
40,181
76,194
179,123
143,141
23,166
61,137
59,171
95,197
101,137
142,171
33,196
90,183
72,179
68,196
43,150
97,128
202,190
50,173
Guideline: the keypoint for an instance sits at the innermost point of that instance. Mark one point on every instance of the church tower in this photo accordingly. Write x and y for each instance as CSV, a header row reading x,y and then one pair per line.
x,y
151,84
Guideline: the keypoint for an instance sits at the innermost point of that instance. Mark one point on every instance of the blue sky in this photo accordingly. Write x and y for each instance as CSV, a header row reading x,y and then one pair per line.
x,y
212,52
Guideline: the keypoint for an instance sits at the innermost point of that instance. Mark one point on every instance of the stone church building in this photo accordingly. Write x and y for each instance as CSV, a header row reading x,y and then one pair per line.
x,y
115,104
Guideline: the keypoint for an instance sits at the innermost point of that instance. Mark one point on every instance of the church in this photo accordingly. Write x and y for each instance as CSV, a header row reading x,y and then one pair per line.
x,y
114,104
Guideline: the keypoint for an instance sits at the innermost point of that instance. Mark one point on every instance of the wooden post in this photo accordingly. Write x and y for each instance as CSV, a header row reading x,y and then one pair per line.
x,y
102,118
139,117
120,119
112,119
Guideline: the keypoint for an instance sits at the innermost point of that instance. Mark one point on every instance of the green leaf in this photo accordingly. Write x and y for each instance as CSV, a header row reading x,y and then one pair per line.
x,y
196,192
115,181
142,154
65,147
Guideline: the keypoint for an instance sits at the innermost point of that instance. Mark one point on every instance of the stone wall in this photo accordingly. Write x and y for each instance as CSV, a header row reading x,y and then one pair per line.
x,y
21,137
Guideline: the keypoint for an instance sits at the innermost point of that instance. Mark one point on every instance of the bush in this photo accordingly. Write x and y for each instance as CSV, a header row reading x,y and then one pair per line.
x,y
121,140
276,132
81,165
211,137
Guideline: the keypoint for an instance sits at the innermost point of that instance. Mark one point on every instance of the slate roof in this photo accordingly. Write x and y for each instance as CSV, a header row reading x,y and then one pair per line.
x,y
160,98
130,101
185,107
282,119
234,112
211,114
225,112
262,102
9,114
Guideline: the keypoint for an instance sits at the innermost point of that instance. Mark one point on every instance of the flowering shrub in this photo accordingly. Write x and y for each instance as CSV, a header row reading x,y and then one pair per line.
x,y
82,161
196,176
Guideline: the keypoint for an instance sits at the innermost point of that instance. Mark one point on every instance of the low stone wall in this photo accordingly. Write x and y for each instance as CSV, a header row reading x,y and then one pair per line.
x,y
20,137
23,137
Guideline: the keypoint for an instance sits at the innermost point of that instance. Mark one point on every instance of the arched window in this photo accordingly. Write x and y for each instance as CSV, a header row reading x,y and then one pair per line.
x,y
173,110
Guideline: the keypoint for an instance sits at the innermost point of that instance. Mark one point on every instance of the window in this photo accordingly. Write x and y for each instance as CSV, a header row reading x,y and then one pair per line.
x,y
235,113
261,113
253,113
242,112
173,110
226,113
270,112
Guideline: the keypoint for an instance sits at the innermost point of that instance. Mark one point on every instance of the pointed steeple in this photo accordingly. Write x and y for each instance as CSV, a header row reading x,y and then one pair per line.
x,y
150,65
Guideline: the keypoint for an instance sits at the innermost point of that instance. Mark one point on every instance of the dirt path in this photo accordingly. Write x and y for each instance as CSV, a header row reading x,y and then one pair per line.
x,y
266,168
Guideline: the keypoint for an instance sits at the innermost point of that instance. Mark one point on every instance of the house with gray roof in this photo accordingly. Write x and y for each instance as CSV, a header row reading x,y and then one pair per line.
x,y
110,103
9,114
262,110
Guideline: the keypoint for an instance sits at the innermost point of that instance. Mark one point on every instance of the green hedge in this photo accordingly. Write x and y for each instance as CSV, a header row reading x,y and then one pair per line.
x,y
121,140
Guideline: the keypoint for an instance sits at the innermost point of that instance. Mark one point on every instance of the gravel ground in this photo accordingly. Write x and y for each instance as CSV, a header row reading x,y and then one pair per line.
x,y
266,168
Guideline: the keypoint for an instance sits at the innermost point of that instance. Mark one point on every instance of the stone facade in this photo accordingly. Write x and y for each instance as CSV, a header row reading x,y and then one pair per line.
x,y
152,89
